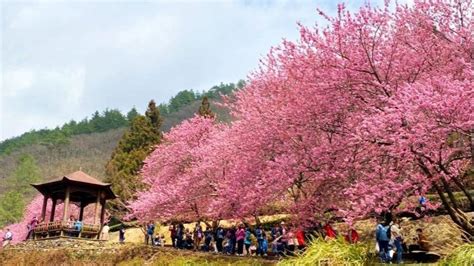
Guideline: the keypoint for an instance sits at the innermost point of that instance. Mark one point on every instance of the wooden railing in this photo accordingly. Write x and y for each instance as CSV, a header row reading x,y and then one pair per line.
x,y
59,228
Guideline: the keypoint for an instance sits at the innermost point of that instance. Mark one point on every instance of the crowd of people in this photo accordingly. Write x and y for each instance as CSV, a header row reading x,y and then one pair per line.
x,y
242,239
238,240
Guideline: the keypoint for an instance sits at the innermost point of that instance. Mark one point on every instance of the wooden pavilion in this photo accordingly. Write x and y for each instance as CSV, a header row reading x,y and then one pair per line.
x,y
77,188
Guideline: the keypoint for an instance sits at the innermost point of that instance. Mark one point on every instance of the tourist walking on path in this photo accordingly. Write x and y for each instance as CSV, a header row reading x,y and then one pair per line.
x,y
198,234
240,235
382,235
396,233
7,238
31,227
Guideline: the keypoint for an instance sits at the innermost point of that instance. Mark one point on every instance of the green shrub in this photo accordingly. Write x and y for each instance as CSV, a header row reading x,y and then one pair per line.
x,y
332,252
462,255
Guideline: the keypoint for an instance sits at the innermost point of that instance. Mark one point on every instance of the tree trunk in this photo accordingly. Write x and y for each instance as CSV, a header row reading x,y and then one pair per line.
x,y
458,216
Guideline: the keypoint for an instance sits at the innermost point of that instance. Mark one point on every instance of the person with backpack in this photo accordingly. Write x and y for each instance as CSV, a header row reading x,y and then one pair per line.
x,y
219,238
382,236
150,230
248,240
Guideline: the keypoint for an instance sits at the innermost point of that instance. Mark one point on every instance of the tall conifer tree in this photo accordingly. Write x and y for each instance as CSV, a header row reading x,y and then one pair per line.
x,y
205,108
127,159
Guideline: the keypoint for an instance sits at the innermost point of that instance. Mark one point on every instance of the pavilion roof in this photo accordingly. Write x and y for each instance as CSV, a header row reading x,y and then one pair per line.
x,y
77,176
80,181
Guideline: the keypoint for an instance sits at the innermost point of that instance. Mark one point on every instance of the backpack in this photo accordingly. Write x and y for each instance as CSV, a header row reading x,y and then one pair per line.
x,y
220,233
384,232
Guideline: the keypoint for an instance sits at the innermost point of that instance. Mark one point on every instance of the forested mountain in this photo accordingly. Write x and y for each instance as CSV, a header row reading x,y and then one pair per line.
x,y
178,108
86,145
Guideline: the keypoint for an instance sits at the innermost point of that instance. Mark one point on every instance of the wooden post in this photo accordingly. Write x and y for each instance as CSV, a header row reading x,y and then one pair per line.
x,y
66,209
66,205
102,213
43,210
81,212
53,210
96,213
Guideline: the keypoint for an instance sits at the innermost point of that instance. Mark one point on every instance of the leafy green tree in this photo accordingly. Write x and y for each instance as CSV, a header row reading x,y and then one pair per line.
x,y
127,159
12,205
181,99
26,173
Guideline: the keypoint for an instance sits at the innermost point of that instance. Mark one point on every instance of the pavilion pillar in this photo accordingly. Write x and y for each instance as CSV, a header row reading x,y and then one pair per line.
x,y
43,210
66,205
53,210
102,213
81,212
96,212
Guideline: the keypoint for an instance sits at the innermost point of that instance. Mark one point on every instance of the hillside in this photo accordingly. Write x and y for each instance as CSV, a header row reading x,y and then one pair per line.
x,y
89,152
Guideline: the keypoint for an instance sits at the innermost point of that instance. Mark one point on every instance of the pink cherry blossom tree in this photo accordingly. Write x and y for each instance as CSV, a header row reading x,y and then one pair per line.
x,y
175,190
354,117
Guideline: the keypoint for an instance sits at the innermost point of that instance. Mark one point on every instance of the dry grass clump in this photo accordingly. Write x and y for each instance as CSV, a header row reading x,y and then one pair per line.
x,y
332,252
462,255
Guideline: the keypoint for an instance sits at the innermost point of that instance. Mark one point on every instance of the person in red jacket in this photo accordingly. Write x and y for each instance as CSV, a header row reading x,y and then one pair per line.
x,y
352,236
300,239
329,230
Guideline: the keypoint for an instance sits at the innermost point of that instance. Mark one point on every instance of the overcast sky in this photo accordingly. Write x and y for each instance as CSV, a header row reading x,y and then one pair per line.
x,y
63,60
